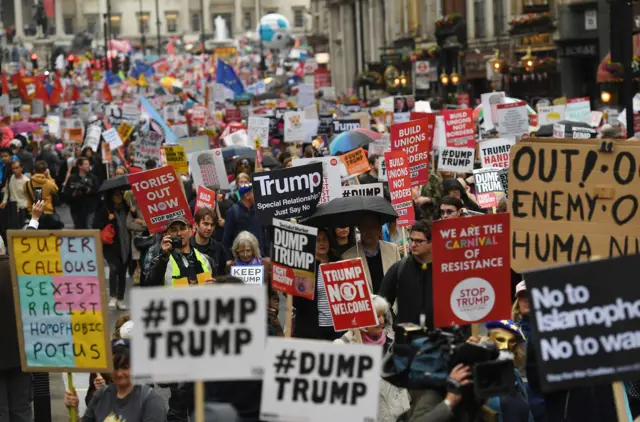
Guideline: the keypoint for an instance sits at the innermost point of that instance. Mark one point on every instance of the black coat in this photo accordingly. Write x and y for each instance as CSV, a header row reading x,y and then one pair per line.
x,y
112,253
9,349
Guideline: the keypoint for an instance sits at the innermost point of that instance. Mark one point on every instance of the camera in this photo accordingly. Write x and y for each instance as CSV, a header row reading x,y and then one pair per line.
x,y
176,243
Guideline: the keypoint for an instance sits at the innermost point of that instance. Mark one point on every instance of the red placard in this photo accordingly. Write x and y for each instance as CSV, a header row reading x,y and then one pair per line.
x,y
160,197
471,270
459,128
636,122
415,137
321,78
400,186
205,198
349,295
463,99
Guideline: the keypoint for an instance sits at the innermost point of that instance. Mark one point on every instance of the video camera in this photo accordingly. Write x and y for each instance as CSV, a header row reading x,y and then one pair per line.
x,y
423,359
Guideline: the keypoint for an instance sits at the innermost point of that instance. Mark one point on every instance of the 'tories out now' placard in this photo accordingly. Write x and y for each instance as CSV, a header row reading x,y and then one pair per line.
x,y
471,272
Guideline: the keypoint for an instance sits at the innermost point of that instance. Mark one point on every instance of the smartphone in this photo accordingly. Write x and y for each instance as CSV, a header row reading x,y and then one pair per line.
x,y
37,194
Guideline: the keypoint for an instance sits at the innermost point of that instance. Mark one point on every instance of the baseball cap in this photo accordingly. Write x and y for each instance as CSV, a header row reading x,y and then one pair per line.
x,y
244,188
15,143
521,287
180,220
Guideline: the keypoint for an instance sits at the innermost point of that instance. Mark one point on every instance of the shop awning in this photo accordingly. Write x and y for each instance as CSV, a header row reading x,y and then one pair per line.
x,y
603,75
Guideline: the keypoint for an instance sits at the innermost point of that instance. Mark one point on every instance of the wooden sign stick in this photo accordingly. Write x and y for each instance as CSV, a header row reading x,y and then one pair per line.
x,y
288,321
199,401
73,412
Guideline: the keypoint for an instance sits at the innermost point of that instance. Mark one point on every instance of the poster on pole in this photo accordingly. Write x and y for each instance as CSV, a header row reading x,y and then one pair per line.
x,y
176,341
293,371
456,160
249,274
294,258
513,119
176,158
489,188
193,144
495,152
205,198
148,148
459,128
471,272
331,169
416,139
400,187
160,197
356,162
369,189
349,295
579,110
207,169
60,300
259,129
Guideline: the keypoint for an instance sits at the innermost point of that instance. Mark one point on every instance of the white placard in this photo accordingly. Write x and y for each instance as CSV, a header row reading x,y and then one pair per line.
x,y
369,189
53,122
513,119
579,110
456,160
239,138
495,152
306,95
387,104
259,128
558,130
423,106
490,101
382,169
92,140
294,129
130,113
207,168
549,115
401,117
112,137
331,170
199,333
351,381
250,274
37,107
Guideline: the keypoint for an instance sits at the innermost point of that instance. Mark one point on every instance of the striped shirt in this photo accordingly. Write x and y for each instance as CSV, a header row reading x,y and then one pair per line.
x,y
324,313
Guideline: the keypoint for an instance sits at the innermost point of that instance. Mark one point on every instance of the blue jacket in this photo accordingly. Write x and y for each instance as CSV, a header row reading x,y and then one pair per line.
x,y
239,218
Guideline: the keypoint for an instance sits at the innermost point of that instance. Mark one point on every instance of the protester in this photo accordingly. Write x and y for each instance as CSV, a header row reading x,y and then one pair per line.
x,y
410,281
313,317
23,154
81,191
372,175
341,239
138,228
42,187
206,222
453,187
377,255
241,179
123,400
430,194
242,217
451,207
14,196
391,233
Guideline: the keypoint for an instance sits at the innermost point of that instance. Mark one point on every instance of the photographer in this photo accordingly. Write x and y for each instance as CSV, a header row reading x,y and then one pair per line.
x,y
173,262
80,190
429,405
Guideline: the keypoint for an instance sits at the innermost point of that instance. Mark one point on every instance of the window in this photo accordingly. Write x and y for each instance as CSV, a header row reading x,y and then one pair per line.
x,y
93,24
247,21
270,10
195,22
172,21
478,11
143,22
115,25
498,17
68,25
298,18
228,24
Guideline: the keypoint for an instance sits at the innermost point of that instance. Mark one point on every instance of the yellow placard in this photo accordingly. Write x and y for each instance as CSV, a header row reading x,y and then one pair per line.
x,y
125,131
176,158
203,277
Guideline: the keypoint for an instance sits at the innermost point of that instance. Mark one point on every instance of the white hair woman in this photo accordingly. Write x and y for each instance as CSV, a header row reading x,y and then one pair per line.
x,y
393,400
246,250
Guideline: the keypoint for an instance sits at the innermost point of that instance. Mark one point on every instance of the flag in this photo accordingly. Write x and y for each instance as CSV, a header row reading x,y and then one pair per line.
x,y
112,79
56,91
5,84
257,88
106,93
171,49
75,93
226,76
41,93
142,81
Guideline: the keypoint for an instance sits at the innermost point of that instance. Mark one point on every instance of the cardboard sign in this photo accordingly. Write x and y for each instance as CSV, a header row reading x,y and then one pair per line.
x,y
72,134
471,273
582,320
201,333
415,138
250,274
513,119
176,158
331,184
259,129
400,187
347,376
193,144
294,130
370,189
549,115
124,131
488,187
495,152
207,169
345,125
349,295
579,110
205,198
112,138
356,162
287,193
160,197
569,202
456,160
60,300
294,259
459,128
148,148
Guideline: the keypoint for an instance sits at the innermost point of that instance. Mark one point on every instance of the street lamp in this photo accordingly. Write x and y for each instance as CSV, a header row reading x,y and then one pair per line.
x,y
528,60
444,78
605,96
455,78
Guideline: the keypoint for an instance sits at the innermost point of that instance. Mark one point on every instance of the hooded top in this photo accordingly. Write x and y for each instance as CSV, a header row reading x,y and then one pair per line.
x,y
49,189
449,184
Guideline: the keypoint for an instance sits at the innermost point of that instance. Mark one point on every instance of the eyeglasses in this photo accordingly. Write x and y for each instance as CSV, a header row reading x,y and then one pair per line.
x,y
417,241
448,211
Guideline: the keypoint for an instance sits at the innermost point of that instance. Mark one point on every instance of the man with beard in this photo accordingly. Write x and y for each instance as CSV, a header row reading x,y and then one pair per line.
x,y
206,221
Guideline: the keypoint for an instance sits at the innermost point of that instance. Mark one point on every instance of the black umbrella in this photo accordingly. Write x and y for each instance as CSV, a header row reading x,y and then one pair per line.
x,y
349,211
270,161
234,151
546,131
118,182
267,96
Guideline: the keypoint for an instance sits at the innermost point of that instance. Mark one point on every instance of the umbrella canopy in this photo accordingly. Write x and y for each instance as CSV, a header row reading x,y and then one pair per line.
x,y
376,136
20,127
348,141
546,131
350,210
270,161
267,96
118,182
235,151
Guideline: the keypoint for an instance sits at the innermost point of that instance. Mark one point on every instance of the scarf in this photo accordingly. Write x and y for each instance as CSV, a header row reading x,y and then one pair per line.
x,y
254,261
381,340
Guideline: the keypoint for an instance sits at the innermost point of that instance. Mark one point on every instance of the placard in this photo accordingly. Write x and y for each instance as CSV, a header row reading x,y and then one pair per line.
x,y
345,125
294,259
382,169
495,152
347,376
459,128
369,189
579,110
60,300
349,295
415,138
569,202
294,130
249,274
259,129
549,115
112,138
193,144
559,130
331,184
356,162
201,333
400,187
124,131
92,140
148,148
471,272
488,187
160,197
176,158
205,198
513,119
207,169
456,160
287,193
584,323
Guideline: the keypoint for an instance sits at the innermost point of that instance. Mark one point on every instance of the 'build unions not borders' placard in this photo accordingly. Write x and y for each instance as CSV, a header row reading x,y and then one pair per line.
x,y
60,300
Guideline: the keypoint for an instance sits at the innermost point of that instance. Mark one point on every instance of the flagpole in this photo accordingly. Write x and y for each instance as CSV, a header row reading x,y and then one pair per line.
x,y
263,66
158,26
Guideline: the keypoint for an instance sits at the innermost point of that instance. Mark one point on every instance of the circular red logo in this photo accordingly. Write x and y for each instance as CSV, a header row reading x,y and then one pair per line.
x,y
334,162
315,178
218,152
